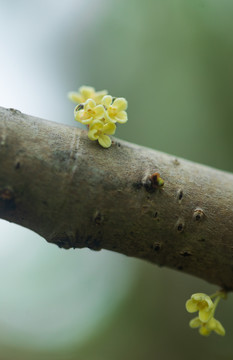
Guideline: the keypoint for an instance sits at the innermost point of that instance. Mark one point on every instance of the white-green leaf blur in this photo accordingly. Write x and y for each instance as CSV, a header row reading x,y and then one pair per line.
x,y
172,61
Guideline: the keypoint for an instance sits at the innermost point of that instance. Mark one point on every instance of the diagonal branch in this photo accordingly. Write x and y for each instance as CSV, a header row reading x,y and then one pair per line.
x,y
74,193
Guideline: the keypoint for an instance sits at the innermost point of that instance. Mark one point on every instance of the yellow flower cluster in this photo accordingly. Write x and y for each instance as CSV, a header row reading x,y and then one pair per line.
x,y
205,320
100,112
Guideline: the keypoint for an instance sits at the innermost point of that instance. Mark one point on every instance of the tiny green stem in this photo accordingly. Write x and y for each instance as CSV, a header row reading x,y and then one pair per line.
x,y
221,294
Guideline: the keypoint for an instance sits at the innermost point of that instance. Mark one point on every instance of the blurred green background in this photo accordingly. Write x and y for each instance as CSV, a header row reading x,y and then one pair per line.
x,y
172,60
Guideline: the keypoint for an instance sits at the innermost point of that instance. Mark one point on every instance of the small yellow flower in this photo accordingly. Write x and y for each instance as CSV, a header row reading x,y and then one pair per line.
x,y
88,112
205,328
86,92
97,131
115,109
99,112
202,303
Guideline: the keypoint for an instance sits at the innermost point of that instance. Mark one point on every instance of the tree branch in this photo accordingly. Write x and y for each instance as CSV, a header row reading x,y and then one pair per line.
x,y
74,193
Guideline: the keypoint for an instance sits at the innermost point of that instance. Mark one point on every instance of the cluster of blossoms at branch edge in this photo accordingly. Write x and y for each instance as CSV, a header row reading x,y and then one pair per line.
x,y
100,112
205,320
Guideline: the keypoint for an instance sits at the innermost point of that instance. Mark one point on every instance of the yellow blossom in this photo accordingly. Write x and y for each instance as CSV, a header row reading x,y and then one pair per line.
x,y
98,130
202,303
88,112
205,328
86,92
99,112
115,109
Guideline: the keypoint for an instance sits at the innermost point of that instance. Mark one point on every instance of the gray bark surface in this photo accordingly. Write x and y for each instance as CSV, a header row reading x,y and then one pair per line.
x,y
72,192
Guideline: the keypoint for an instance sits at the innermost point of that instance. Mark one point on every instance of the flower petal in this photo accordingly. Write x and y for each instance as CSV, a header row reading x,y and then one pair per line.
x,y
204,302
216,326
202,297
97,124
191,306
120,103
89,104
204,316
93,134
87,92
204,331
194,323
108,118
106,101
219,329
83,117
99,96
109,128
105,141
121,117
79,115
87,121
75,97
211,324
99,111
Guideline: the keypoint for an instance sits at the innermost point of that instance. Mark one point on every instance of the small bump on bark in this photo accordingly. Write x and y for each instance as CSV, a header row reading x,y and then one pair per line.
x,y
198,214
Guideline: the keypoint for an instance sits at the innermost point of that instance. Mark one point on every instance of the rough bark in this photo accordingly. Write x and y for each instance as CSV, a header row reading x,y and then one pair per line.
x,y
74,193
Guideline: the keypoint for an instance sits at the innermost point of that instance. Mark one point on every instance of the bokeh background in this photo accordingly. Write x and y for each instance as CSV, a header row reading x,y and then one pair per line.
x,y
172,60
